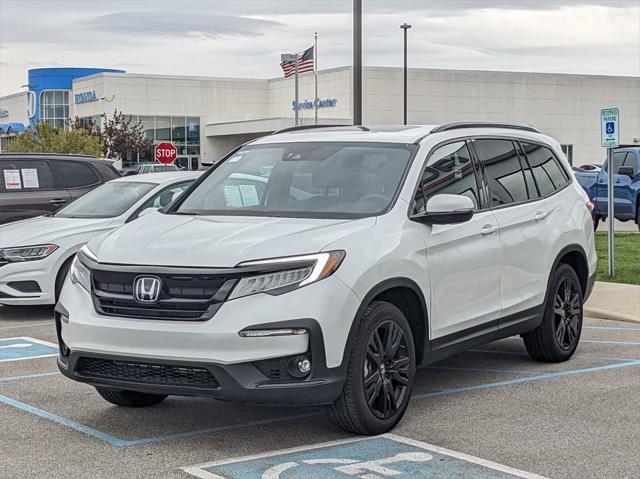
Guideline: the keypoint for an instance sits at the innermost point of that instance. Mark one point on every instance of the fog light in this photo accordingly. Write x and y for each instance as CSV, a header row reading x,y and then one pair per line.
x,y
299,366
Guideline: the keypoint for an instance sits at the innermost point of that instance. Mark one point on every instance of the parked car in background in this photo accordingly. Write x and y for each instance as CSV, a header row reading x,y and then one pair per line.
x,y
323,266
626,187
35,254
152,167
33,184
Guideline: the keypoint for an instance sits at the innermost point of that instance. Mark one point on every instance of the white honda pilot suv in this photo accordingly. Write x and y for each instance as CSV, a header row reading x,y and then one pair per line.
x,y
324,265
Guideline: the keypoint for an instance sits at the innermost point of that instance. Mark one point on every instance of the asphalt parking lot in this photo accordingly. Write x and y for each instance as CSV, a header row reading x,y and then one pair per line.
x,y
516,417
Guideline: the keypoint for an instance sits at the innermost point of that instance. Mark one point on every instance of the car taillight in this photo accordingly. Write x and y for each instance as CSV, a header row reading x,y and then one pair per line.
x,y
592,209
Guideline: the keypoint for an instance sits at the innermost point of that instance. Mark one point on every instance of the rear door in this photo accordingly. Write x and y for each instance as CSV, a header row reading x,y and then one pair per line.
x,y
525,217
27,189
77,177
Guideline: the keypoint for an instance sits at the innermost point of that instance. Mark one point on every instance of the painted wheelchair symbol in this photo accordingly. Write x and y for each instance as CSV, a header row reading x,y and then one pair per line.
x,y
376,469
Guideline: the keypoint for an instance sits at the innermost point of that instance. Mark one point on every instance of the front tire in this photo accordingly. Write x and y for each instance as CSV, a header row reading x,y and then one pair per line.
x,y
557,338
380,372
130,398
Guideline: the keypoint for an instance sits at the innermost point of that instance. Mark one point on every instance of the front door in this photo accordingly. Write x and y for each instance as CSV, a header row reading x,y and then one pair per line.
x,y
463,259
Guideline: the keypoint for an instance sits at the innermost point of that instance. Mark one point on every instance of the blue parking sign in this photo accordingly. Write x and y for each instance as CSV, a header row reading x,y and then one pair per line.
x,y
15,349
377,457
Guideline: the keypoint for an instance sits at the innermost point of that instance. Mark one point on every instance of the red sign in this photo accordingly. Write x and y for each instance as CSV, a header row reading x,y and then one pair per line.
x,y
166,153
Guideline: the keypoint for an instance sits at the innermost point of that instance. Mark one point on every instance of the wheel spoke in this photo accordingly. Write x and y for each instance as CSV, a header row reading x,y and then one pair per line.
x,y
394,338
371,379
560,332
567,290
373,392
373,355
400,378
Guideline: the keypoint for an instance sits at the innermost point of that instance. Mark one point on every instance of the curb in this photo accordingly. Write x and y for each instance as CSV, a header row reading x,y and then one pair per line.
x,y
604,314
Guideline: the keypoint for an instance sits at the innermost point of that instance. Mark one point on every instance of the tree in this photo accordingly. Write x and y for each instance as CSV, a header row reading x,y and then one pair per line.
x,y
122,136
46,139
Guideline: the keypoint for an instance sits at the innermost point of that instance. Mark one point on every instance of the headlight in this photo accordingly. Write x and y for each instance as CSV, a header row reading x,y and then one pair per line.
x,y
80,274
288,273
27,253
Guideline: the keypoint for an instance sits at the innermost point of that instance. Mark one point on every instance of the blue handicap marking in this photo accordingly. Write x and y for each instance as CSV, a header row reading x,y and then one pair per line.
x,y
15,349
387,456
610,127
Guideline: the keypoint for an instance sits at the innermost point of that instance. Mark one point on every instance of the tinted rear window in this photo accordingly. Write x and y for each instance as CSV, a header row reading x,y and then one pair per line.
x,y
25,175
549,174
73,174
503,171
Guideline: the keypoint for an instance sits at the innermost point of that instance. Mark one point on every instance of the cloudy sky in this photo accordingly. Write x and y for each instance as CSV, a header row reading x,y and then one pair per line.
x,y
245,37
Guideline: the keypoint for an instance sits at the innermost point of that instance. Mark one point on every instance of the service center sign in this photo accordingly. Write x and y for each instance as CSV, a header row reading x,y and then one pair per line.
x,y
166,153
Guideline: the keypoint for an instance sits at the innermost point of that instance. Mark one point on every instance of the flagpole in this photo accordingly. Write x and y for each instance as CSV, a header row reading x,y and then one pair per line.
x,y
315,70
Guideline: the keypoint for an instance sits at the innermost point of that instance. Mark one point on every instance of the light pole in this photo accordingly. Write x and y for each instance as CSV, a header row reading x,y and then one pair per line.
x,y
357,62
405,26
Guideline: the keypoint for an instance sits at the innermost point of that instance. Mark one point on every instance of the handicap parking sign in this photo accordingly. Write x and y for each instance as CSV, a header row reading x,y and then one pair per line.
x,y
15,349
611,127
380,457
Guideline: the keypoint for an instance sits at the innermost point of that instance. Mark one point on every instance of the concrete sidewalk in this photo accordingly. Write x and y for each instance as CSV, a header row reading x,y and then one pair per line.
x,y
620,302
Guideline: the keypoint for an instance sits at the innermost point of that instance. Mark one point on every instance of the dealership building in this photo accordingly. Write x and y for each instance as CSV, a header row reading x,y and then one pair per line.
x,y
205,117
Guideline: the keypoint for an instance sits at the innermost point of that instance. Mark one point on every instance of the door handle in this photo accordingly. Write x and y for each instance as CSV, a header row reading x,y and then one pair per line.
x,y
58,201
540,215
488,230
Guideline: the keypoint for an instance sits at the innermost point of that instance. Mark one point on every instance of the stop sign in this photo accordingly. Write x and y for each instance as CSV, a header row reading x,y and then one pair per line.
x,y
166,153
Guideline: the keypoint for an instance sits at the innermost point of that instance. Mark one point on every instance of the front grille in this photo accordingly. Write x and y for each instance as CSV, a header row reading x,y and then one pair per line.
x,y
187,297
146,373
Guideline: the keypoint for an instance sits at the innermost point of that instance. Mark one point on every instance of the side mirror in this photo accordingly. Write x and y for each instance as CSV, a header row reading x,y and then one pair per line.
x,y
446,209
147,211
626,170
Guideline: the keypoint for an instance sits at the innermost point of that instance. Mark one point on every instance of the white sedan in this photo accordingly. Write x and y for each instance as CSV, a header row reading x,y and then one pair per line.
x,y
35,254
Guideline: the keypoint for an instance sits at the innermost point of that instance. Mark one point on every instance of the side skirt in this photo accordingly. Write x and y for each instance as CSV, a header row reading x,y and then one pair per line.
x,y
454,343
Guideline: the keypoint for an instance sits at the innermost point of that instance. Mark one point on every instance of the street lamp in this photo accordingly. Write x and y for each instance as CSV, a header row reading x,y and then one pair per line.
x,y
357,62
405,26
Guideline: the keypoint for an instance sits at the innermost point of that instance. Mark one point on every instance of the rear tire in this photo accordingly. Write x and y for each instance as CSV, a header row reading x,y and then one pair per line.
x,y
380,372
557,338
638,215
130,398
596,222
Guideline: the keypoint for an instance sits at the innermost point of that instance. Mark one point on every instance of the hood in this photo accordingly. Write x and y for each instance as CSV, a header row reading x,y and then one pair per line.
x,y
49,229
218,241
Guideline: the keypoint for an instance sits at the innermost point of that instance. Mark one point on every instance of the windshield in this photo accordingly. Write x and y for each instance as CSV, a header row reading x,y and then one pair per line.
x,y
329,180
109,200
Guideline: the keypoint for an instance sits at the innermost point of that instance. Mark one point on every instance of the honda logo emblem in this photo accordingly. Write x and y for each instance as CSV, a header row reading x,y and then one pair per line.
x,y
146,289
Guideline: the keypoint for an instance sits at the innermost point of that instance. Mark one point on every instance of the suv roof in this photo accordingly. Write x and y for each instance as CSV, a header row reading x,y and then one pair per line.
x,y
53,156
384,133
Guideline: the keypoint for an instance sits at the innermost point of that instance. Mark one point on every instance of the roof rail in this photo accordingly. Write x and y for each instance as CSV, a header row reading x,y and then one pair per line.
x,y
481,124
312,127
21,153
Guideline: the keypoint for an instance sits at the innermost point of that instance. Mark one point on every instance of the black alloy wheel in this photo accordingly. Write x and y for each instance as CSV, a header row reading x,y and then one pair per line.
x,y
386,370
558,335
567,314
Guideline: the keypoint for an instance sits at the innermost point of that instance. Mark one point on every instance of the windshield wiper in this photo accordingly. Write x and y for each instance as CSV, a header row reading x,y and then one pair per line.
x,y
186,213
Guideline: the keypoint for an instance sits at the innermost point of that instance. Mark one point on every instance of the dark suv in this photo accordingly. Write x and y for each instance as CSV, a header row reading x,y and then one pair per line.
x,y
32,184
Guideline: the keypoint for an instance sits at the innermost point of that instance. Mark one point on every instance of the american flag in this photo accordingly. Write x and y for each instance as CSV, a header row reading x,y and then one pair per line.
x,y
305,64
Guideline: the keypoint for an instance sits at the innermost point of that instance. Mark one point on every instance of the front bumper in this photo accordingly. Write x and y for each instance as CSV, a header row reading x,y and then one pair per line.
x,y
265,381
214,345
43,272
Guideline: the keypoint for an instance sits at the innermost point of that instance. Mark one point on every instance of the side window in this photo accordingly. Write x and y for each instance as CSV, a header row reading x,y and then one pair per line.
x,y
503,171
549,174
618,160
449,170
631,161
166,196
73,174
532,190
25,175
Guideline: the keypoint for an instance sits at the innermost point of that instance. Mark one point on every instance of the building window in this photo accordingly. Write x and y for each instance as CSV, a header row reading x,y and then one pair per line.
x,y
568,152
54,108
182,131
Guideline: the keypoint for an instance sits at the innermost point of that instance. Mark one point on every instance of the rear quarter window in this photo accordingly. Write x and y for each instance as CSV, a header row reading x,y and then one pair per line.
x,y
549,174
73,174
